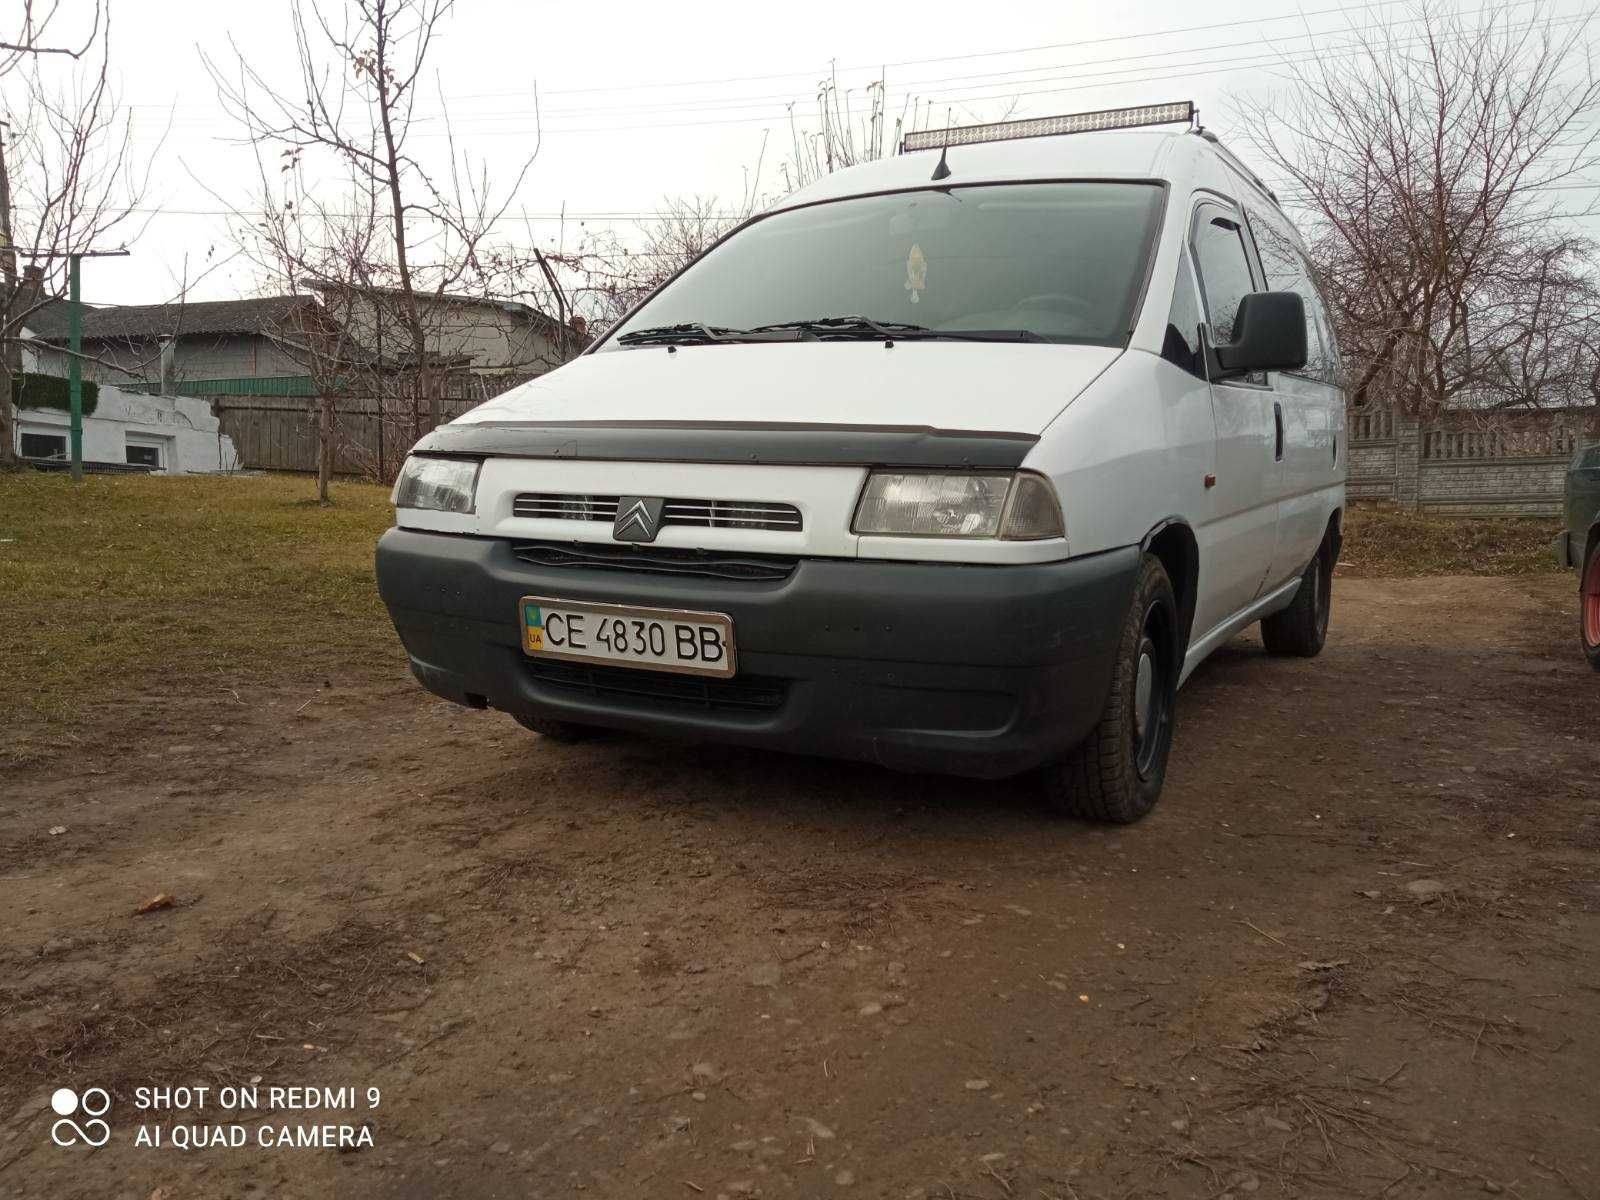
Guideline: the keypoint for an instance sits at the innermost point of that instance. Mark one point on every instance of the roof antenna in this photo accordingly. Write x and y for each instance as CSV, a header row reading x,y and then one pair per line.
x,y
942,171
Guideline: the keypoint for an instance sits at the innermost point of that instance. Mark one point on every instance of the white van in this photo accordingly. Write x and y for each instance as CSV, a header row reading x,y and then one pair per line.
x,y
960,461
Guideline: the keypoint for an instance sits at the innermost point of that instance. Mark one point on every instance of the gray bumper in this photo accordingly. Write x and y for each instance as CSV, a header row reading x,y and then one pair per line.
x,y
984,671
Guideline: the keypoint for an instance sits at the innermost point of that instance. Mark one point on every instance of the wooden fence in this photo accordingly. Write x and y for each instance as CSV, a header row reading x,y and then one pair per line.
x,y
279,433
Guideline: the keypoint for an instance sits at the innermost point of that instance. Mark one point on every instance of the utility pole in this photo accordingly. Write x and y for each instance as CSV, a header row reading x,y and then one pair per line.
x,y
8,280
75,367
75,352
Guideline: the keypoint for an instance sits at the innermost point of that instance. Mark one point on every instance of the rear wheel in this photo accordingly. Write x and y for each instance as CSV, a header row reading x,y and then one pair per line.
x,y
1302,628
557,731
1589,603
1116,774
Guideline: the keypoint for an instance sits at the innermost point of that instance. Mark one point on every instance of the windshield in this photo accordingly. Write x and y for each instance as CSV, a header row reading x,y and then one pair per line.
x,y
1060,262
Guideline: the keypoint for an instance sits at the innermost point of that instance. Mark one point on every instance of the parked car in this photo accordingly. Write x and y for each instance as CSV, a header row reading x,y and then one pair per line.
x,y
959,461
1579,545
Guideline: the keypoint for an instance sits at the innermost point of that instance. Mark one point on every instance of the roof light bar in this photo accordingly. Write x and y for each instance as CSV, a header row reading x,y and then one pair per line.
x,y
1002,131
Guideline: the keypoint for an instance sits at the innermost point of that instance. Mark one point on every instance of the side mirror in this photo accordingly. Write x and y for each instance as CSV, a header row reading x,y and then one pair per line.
x,y
1269,334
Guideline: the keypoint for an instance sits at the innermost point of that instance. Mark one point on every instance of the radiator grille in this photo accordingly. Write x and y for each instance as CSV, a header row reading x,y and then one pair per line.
x,y
704,514
558,507
655,688
659,560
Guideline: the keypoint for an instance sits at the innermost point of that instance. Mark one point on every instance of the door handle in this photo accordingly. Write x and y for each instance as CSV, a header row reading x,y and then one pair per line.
x,y
1277,420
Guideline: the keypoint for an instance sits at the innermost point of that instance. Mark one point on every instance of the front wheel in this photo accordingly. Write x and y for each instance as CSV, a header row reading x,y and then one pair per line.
x,y
1589,603
1116,774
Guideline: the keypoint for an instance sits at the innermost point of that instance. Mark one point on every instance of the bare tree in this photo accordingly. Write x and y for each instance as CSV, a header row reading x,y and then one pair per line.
x,y
1539,318
1432,154
839,127
614,274
327,255
33,37
845,127
353,111
69,182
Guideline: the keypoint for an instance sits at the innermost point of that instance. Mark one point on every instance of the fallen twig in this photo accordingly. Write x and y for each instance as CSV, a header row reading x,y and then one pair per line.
x,y
1263,932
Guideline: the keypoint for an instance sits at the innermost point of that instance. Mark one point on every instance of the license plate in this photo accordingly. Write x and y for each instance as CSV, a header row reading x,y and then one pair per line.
x,y
620,635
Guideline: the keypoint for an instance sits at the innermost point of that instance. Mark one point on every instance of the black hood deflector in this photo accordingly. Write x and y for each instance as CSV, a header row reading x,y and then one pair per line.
x,y
725,442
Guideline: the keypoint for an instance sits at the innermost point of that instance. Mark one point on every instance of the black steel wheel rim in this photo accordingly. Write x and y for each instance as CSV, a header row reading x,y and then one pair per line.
x,y
1152,693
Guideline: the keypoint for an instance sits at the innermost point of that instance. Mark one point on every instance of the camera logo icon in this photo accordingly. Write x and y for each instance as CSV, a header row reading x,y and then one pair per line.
x,y
92,1105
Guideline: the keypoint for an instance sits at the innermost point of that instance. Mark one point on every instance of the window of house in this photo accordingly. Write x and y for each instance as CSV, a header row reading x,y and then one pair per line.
x,y
44,445
1224,265
1181,343
144,452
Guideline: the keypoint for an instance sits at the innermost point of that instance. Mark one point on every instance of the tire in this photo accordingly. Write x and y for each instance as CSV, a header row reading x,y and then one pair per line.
x,y
557,731
1302,628
1589,603
1115,775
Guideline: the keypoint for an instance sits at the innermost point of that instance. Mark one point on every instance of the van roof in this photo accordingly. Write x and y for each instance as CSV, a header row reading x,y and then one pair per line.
x,y
1110,154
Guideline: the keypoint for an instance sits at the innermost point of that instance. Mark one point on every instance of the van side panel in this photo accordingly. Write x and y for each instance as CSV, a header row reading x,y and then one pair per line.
x,y
1309,490
1310,401
1130,453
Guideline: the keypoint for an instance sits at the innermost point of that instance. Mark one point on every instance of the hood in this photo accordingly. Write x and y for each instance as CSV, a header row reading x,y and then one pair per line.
x,y
986,386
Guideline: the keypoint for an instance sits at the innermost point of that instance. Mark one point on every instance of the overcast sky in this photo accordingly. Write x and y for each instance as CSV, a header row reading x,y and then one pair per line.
x,y
645,100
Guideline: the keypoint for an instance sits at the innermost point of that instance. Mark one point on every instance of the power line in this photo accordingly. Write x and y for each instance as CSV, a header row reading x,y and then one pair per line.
x,y
1135,75
910,62
945,84
761,99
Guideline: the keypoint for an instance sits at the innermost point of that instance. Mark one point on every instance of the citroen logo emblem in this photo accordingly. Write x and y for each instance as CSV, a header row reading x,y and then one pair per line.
x,y
638,518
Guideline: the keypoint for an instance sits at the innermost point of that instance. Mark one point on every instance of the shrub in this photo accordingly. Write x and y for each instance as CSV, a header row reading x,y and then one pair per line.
x,y
31,390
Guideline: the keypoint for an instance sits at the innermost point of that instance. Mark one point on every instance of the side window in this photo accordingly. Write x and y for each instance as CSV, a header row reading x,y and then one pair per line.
x,y
1181,345
1322,364
1224,264
1286,271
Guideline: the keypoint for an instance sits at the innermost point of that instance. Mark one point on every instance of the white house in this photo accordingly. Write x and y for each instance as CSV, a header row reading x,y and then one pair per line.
x,y
175,434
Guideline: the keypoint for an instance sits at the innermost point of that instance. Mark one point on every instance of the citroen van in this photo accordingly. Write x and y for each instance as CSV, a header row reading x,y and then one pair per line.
x,y
960,461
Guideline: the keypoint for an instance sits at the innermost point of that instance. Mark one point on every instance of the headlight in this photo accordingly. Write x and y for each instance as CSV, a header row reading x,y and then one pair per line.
x,y
1019,507
438,484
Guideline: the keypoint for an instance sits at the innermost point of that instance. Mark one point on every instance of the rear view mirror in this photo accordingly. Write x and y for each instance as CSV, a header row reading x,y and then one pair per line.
x,y
1269,334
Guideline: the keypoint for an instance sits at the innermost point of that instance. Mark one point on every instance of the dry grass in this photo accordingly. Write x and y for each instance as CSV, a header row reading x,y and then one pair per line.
x,y
129,585
1383,540
124,584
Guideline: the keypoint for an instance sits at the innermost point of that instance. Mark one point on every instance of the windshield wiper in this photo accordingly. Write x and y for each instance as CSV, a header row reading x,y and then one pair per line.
x,y
846,326
698,333
856,326
686,331
981,335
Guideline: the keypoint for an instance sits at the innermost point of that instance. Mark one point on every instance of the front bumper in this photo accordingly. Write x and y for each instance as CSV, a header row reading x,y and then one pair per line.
x,y
983,671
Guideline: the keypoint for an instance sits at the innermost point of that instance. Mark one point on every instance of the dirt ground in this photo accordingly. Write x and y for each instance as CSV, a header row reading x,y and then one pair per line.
x,y
1353,953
